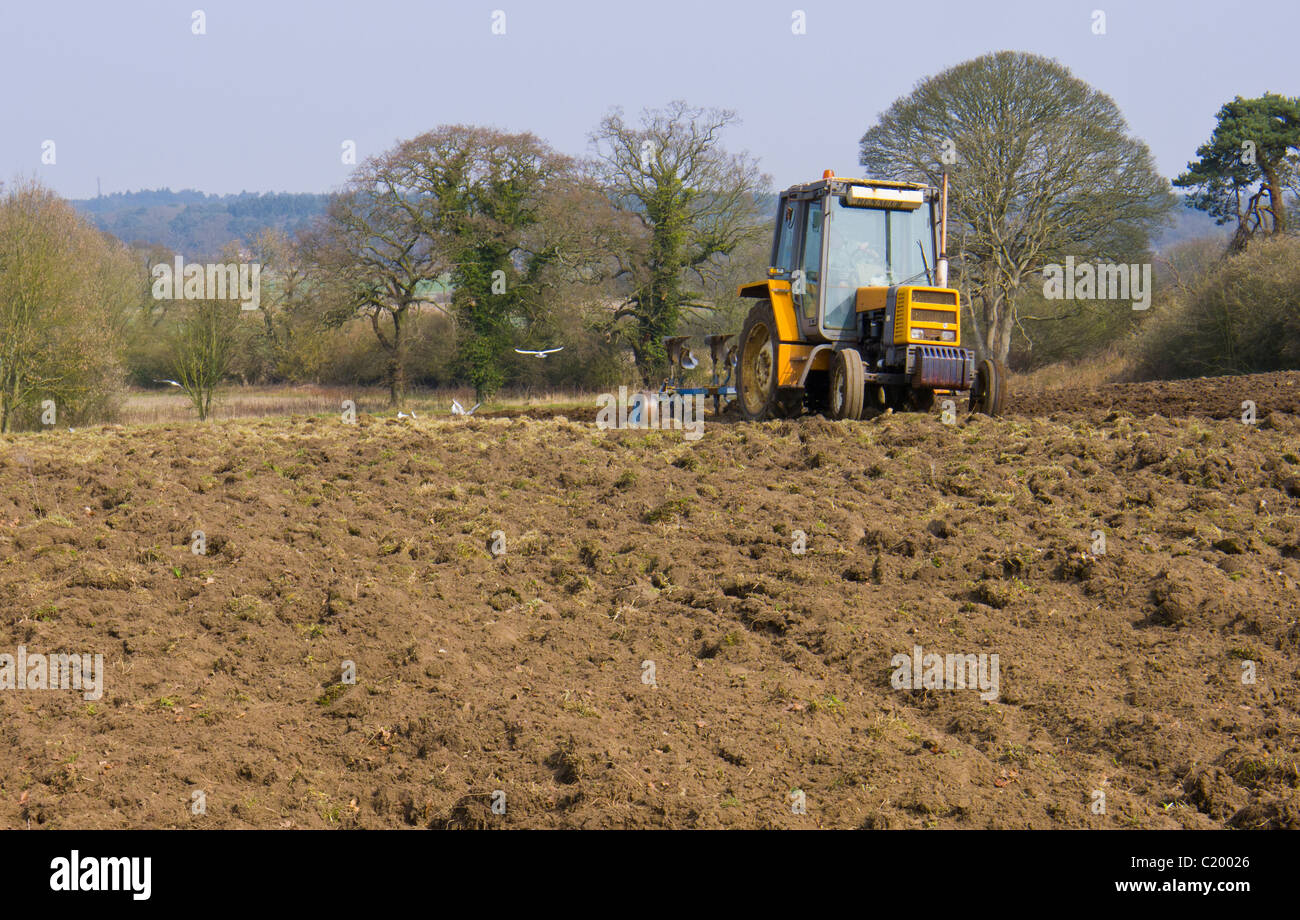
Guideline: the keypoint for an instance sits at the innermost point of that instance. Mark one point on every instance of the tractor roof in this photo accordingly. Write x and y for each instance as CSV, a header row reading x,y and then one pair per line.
x,y
839,184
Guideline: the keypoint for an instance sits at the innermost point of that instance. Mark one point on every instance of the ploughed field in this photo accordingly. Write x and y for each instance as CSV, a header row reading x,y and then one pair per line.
x,y
586,628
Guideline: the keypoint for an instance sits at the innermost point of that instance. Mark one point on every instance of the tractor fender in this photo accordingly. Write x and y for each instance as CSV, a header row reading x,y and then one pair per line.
x,y
811,359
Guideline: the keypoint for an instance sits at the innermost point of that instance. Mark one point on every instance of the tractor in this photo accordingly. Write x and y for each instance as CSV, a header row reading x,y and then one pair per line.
x,y
856,316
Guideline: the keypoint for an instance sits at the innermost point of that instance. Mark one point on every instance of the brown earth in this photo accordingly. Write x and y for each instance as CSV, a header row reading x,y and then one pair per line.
x,y
1120,673
1207,397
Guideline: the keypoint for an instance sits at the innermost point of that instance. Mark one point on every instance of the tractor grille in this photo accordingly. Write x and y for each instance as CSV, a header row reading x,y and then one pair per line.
x,y
942,368
943,297
922,315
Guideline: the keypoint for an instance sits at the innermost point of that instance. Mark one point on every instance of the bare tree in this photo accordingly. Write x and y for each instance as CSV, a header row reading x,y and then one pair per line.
x,y
1041,164
203,343
372,257
490,212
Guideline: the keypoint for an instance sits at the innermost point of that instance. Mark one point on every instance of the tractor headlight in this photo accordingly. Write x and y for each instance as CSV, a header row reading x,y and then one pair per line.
x,y
918,333
949,335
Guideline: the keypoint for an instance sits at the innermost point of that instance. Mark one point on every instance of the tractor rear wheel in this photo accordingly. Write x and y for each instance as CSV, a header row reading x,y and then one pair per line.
x,y
848,387
989,390
758,395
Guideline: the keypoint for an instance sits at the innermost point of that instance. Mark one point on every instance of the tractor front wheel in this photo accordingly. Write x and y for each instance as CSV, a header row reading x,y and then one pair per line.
x,y
847,385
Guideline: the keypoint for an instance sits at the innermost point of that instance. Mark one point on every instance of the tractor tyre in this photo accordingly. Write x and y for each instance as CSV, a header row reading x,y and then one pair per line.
x,y
988,393
848,386
758,396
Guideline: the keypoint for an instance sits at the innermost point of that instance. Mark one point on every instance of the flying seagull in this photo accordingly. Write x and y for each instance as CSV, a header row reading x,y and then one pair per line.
x,y
172,382
458,409
540,354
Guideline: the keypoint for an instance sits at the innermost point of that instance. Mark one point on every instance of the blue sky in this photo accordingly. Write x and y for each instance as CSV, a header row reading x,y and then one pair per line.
x,y
264,99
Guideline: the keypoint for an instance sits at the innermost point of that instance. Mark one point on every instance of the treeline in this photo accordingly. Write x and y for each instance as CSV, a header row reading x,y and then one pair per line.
x,y
440,258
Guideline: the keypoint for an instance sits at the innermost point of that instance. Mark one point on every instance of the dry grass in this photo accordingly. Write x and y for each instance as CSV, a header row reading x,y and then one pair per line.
x,y
144,407
1109,367
169,405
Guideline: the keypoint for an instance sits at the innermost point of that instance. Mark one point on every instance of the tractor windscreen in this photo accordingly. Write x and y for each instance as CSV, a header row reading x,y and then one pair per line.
x,y
870,247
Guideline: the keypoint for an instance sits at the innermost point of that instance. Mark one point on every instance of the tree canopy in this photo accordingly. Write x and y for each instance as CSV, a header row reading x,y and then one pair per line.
x,y
1242,171
1041,166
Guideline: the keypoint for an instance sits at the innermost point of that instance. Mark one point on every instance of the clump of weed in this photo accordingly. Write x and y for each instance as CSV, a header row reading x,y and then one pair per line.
x,y
674,507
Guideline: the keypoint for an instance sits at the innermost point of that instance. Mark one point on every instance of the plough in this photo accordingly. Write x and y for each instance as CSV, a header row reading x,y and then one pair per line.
x,y
680,360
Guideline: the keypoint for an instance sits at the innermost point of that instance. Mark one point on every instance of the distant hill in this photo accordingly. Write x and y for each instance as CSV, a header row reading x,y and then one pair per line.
x,y
198,225
1189,224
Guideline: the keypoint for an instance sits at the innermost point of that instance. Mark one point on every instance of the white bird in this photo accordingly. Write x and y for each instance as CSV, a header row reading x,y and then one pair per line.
x,y
404,415
540,354
172,382
458,409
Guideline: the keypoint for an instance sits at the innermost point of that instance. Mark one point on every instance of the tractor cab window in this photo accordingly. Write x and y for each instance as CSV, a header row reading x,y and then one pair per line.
x,y
812,259
784,257
871,247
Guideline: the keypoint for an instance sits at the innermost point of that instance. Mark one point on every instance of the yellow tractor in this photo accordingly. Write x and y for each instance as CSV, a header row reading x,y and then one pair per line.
x,y
856,314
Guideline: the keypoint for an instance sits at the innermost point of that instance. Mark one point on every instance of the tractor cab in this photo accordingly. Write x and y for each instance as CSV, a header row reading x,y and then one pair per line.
x,y
835,237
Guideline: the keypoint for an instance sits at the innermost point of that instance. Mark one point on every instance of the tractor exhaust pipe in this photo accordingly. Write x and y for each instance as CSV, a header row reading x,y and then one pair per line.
x,y
941,269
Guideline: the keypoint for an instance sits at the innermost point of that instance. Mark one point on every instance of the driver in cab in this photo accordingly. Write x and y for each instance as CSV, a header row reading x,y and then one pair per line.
x,y
860,265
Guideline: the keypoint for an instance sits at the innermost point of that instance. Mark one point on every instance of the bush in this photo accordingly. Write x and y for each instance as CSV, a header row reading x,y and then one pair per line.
x,y
1061,331
65,290
352,355
1241,317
